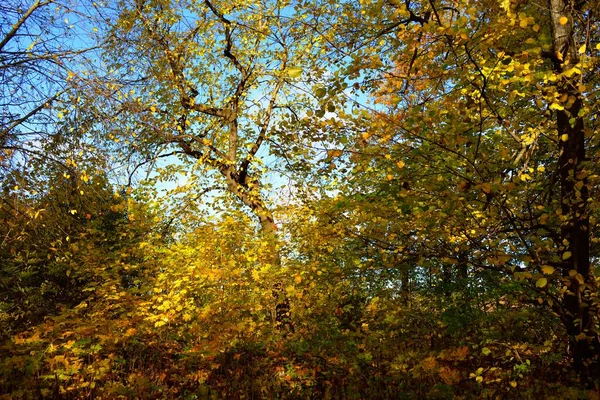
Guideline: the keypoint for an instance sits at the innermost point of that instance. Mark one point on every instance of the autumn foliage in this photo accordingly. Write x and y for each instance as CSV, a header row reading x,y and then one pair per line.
x,y
283,199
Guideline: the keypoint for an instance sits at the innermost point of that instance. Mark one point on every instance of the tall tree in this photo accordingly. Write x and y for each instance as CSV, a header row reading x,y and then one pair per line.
x,y
482,110
574,27
216,77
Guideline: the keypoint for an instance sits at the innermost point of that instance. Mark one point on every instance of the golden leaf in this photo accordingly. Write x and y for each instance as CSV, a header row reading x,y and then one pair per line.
x,y
294,72
547,270
541,282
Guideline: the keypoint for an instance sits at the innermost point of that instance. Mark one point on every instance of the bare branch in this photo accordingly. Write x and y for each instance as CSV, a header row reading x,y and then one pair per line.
x,y
21,21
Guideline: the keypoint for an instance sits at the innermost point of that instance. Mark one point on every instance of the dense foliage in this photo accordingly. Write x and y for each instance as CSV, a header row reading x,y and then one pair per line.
x,y
287,199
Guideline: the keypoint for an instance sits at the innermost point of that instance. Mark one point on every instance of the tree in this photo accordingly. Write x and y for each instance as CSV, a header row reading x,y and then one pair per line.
x,y
42,47
483,109
216,77
43,158
573,29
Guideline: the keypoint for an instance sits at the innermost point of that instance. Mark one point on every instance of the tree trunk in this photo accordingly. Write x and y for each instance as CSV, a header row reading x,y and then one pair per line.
x,y
282,307
574,194
249,194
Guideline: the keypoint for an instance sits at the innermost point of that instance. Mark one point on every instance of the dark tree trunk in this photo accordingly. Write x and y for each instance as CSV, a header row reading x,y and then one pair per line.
x,y
574,194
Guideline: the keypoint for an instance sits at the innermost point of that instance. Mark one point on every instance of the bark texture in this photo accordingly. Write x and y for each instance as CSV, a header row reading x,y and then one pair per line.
x,y
574,194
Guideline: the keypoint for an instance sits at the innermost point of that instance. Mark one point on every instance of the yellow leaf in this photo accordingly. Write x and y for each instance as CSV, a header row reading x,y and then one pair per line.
x,y
547,270
582,49
525,177
564,137
541,282
566,255
513,384
559,56
563,20
523,23
505,4
400,164
73,212
294,72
